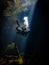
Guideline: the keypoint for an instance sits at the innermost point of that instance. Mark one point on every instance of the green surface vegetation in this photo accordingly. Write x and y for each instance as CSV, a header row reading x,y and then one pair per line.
x,y
11,59
13,8
6,13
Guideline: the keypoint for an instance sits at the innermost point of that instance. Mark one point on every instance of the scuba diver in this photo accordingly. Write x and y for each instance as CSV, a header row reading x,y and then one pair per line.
x,y
21,27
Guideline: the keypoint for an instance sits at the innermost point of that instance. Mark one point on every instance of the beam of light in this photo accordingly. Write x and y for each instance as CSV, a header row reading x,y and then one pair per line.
x,y
27,22
30,17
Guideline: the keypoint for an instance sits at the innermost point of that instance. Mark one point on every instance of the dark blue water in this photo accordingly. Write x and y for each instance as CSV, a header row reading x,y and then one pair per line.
x,y
9,31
